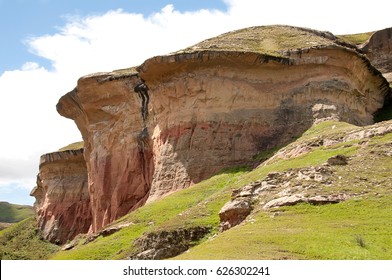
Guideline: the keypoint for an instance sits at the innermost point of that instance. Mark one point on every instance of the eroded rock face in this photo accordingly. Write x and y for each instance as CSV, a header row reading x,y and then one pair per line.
x,y
62,198
181,118
118,148
379,50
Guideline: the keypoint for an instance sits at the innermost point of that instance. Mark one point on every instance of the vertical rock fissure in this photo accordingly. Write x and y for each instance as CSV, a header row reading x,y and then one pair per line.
x,y
142,90
143,137
143,145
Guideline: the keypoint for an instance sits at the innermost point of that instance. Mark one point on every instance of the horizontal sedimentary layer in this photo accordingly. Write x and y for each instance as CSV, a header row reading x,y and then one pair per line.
x,y
63,156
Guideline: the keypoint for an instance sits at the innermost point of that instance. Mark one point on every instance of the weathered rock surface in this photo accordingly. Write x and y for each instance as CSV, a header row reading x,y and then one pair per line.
x,y
379,50
279,189
62,199
328,199
118,147
234,212
167,244
298,198
375,130
180,118
284,201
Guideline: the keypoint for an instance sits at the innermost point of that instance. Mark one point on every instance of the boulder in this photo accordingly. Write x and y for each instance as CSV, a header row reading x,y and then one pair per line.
x,y
285,201
338,160
328,199
167,243
234,212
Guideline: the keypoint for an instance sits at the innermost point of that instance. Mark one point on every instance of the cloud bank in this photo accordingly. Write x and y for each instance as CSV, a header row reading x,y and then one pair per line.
x,y
119,39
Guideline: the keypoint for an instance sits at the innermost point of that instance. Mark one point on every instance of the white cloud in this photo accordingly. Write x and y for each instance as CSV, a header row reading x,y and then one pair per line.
x,y
337,16
117,39
20,169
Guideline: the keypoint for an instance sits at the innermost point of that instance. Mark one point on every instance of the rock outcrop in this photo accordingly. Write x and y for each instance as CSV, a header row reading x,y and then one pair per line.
x,y
279,189
379,50
166,244
178,119
62,199
235,211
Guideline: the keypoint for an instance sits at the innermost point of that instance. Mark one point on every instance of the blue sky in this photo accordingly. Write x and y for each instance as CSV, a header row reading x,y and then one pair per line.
x,y
21,19
46,45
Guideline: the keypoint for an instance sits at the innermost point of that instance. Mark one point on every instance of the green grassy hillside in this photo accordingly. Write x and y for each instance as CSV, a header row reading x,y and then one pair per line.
x,y
356,39
23,241
358,228
12,213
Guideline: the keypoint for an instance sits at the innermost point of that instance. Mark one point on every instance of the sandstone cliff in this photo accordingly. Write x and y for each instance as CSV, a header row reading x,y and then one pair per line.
x,y
179,118
62,199
379,50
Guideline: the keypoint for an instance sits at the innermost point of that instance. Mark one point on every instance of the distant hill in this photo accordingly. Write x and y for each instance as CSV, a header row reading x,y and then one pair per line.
x,y
13,213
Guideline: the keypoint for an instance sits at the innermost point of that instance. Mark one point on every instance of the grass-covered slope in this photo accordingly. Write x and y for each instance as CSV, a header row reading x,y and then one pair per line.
x,y
23,241
12,213
356,39
358,228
